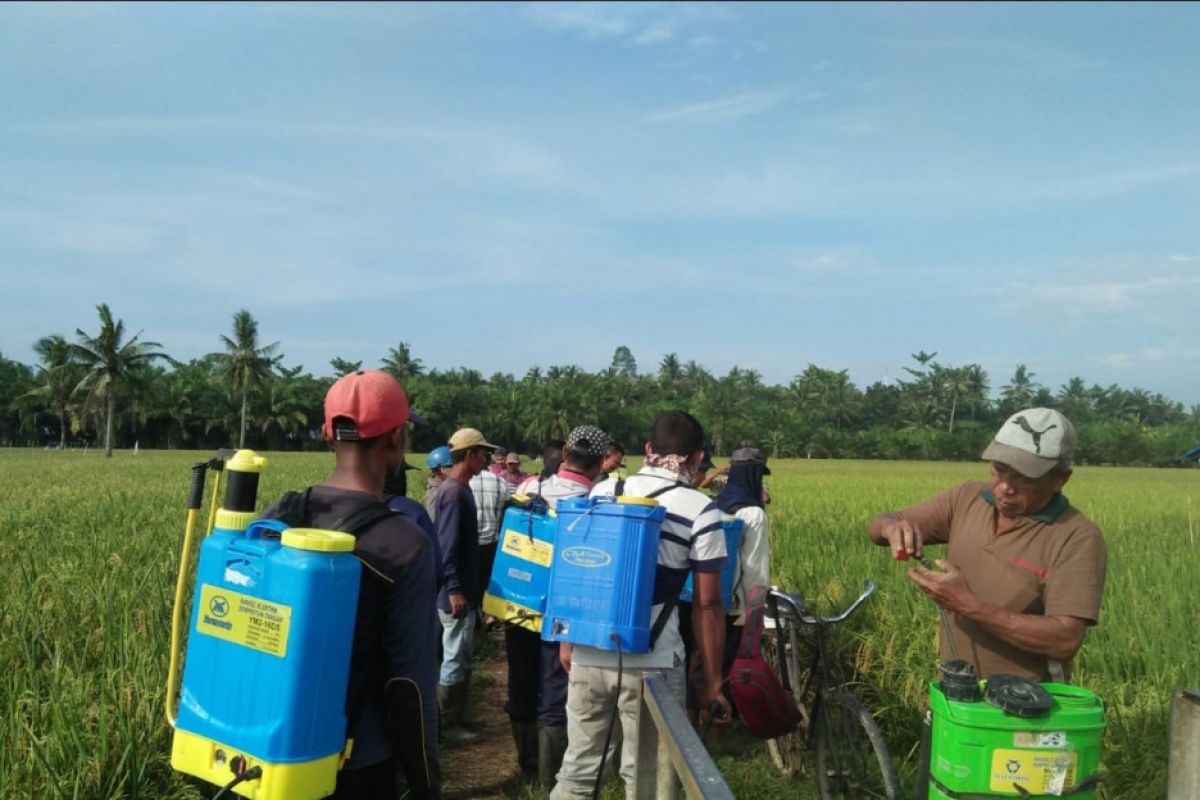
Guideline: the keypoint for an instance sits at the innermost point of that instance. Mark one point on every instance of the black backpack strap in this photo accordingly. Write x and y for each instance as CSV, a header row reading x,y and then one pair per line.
x,y
660,622
619,489
292,508
663,617
359,519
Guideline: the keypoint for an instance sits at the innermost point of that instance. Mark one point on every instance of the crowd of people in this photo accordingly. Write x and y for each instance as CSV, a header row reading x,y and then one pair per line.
x,y
1021,581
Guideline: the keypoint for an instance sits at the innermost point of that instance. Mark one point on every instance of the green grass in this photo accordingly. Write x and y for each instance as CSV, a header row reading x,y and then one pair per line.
x,y
90,550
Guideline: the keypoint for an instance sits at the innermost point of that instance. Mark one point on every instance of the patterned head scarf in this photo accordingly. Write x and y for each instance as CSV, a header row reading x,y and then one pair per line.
x,y
671,463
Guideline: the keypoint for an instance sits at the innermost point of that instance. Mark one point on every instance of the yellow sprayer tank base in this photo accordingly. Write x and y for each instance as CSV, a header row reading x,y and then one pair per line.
x,y
209,761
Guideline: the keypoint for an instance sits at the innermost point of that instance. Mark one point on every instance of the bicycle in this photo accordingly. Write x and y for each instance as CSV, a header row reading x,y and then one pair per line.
x,y
852,759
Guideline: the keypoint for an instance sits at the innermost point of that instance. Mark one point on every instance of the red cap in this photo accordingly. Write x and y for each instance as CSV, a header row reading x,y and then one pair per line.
x,y
371,399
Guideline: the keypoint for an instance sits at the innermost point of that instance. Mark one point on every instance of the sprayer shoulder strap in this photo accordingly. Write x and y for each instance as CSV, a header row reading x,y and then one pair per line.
x,y
293,508
359,519
619,489
664,616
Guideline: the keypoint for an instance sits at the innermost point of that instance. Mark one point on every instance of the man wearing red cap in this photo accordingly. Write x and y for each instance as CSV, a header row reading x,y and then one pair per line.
x,y
390,712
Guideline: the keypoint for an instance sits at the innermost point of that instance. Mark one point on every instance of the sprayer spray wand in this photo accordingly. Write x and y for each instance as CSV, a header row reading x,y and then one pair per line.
x,y
924,561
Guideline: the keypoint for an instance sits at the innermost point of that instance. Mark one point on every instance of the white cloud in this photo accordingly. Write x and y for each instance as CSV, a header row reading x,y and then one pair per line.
x,y
1124,360
745,104
656,33
1183,258
630,23
1015,54
594,21
826,262
1126,296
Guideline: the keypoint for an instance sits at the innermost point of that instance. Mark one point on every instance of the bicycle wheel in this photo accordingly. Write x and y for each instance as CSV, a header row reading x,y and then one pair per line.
x,y
852,758
787,751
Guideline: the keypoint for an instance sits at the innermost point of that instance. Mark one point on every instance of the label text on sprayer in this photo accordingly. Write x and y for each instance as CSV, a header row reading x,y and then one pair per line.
x,y
244,620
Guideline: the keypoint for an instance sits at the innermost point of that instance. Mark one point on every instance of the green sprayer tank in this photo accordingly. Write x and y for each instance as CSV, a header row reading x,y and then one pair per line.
x,y
1015,738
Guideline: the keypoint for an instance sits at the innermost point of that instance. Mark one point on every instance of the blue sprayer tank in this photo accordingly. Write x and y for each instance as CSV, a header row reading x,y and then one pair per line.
x,y
602,575
733,541
516,590
268,659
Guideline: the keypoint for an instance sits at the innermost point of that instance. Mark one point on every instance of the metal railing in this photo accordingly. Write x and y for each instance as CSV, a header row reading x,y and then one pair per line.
x,y
1183,763
669,751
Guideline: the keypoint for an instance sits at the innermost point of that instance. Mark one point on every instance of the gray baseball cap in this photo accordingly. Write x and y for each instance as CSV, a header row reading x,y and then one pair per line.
x,y
1033,442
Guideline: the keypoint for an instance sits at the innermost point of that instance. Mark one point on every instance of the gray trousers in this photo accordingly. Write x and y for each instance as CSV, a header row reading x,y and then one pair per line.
x,y
591,693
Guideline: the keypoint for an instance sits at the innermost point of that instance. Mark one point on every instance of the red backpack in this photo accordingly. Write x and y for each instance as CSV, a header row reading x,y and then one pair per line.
x,y
767,709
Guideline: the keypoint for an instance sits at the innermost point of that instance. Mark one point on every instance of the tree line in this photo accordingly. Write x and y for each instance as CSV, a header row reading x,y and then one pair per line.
x,y
114,390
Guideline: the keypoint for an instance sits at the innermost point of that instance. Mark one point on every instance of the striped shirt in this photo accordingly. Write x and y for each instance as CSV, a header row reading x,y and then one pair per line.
x,y
491,493
692,538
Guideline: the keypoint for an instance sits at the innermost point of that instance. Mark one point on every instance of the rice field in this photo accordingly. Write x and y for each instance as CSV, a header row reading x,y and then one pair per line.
x,y
90,550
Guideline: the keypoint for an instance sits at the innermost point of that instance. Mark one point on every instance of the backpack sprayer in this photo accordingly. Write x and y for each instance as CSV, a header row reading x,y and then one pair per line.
x,y
1007,736
261,708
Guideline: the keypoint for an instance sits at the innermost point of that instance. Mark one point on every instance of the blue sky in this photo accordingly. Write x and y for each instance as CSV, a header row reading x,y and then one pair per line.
x,y
505,185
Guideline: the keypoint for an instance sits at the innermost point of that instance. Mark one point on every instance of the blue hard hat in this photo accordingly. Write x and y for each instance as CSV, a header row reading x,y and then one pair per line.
x,y
438,457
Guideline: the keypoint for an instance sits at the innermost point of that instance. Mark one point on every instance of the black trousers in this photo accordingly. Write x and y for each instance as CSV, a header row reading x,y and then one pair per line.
x,y
376,782
537,683
487,557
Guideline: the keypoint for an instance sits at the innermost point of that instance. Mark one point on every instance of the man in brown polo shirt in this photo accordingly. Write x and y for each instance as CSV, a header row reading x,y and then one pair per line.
x,y
1024,570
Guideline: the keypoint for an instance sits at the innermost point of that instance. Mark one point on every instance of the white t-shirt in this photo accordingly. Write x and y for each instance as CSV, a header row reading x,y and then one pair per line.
x,y
692,538
754,560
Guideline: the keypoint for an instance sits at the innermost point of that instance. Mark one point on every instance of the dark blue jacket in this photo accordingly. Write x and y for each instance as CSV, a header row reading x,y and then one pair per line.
x,y
391,699
458,535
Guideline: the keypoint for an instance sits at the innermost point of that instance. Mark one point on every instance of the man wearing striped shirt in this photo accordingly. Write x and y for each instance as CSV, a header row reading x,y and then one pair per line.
x,y
491,493
692,540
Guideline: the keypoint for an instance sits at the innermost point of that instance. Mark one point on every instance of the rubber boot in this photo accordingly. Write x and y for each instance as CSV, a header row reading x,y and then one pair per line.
x,y
460,696
525,736
452,731
444,708
552,745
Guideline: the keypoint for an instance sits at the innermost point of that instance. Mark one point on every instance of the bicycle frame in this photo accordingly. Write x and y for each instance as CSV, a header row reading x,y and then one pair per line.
x,y
820,668
851,755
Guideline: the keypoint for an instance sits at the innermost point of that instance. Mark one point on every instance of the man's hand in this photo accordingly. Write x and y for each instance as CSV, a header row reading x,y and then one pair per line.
x,y
712,700
564,655
905,539
948,588
458,605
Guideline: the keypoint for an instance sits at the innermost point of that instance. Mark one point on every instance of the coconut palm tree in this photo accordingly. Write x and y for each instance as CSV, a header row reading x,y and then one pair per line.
x,y
57,380
109,362
342,366
244,363
400,363
1019,392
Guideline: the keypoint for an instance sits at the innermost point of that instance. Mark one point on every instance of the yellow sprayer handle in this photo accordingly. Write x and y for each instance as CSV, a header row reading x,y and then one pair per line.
x,y
177,616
